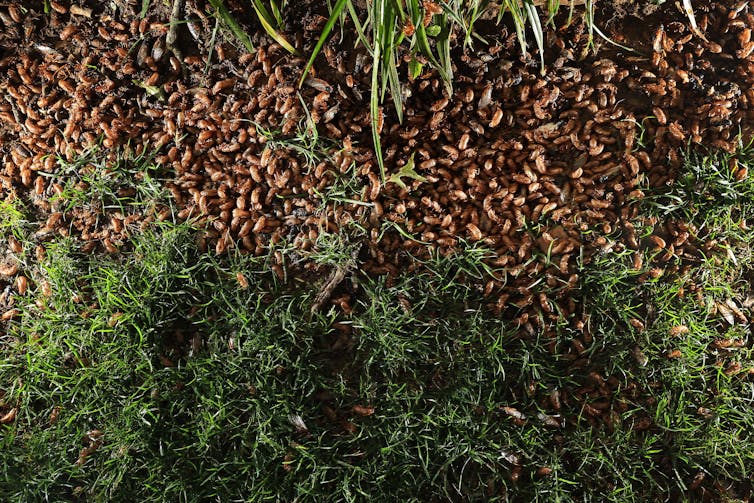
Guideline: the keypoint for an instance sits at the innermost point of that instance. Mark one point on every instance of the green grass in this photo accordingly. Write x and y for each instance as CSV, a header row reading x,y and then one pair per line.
x,y
91,182
152,375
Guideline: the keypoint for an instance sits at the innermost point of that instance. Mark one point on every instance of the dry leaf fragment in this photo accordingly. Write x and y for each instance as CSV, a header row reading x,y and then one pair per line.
x,y
242,281
288,461
732,369
696,482
54,415
544,471
705,412
637,324
510,457
92,441
736,311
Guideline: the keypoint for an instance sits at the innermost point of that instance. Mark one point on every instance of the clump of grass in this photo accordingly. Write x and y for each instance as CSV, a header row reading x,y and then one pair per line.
x,y
14,217
98,183
712,190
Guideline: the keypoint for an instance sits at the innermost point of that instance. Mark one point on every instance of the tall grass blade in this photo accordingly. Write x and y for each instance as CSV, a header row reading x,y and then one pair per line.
x,y
266,19
374,107
323,37
539,36
553,6
422,42
443,48
395,84
276,13
231,23
519,21
689,10
385,34
589,19
360,29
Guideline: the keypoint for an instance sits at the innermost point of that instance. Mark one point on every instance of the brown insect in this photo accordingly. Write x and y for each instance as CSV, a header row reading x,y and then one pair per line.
x,y
222,85
21,285
362,410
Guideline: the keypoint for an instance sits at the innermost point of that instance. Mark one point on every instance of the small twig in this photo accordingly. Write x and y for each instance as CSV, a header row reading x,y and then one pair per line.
x,y
336,277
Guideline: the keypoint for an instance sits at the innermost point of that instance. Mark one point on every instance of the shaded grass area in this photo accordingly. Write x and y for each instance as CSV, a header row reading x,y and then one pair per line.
x,y
167,374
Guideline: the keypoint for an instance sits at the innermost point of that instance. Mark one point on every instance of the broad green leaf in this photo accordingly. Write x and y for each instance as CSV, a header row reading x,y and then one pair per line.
x,y
415,68
406,171
433,30
155,91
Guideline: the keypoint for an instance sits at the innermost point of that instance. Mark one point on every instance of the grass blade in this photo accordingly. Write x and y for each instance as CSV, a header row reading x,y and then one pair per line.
x,y
423,43
443,48
589,18
395,84
323,37
611,41
689,10
276,13
266,19
536,26
374,107
359,27
519,21
232,24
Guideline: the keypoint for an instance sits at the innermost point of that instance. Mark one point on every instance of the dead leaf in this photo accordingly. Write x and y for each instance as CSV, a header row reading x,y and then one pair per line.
x,y
298,423
736,311
551,421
